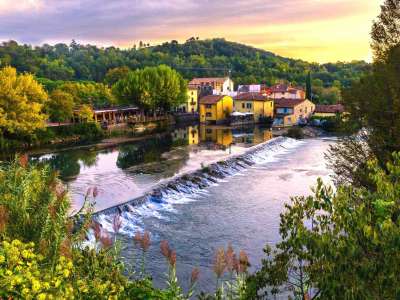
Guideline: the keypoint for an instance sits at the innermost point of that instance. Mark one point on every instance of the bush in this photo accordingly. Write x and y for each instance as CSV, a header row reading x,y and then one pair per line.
x,y
339,245
295,133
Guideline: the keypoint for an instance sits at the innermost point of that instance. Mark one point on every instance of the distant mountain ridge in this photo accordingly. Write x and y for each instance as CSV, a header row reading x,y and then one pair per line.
x,y
194,58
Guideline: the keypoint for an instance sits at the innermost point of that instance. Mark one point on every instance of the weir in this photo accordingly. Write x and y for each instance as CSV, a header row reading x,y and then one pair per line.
x,y
180,189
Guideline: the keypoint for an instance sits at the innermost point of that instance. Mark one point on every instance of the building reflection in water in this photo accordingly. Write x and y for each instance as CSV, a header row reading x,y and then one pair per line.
x,y
221,138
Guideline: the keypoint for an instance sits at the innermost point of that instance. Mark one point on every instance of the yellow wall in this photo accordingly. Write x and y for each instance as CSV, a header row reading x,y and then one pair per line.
x,y
218,110
324,114
191,105
258,108
193,135
220,136
304,110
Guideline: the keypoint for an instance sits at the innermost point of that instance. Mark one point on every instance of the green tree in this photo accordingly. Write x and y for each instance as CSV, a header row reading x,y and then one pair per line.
x,y
60,106
341,245
85,113
386,29
152,88
21,103
308,86
373,104
115,74
97,95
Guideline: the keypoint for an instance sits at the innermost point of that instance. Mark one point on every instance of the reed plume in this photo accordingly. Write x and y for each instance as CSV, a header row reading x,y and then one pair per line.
x,y
194,276
3,218
219,263
96,230
117,223
145,241
243,262
106,241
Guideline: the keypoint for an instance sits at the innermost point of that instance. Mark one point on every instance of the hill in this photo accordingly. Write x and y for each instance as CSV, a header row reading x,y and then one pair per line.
x,y
193,58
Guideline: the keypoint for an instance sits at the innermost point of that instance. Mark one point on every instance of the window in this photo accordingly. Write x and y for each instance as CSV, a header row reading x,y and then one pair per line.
x,y
208,106
306,109
249,105
270,103
243,105
208,115
192,93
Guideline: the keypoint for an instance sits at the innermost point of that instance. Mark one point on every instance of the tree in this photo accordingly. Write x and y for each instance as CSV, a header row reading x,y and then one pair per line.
x,y
94,94
85,113
341,245
21,103
60,106
373,102
115,74
152,88
309,87
386,29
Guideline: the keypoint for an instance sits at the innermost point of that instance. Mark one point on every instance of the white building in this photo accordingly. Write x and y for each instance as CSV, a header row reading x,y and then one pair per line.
x,y
214,85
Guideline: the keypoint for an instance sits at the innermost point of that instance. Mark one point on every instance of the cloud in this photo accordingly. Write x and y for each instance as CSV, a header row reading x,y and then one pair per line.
x,y
124,22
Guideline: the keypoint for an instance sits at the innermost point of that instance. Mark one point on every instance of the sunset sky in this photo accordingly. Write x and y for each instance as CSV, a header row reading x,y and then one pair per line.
x,y
313,30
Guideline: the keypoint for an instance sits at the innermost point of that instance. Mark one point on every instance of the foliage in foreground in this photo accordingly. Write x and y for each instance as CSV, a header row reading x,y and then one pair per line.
x,y
43,253
342,245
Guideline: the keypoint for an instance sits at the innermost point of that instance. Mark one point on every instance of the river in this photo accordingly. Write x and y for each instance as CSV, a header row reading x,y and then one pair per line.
x,y
237,202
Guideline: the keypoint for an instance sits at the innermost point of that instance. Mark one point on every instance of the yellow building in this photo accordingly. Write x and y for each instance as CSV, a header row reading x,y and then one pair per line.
x,y
189,134
254,103
215,108
191,105
219,136
289,112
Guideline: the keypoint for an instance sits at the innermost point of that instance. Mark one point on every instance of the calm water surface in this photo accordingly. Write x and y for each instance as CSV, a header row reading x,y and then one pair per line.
x,y
242,208
128,171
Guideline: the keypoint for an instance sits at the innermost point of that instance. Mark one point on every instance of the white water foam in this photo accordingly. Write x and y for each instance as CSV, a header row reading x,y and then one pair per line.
x,y
184,192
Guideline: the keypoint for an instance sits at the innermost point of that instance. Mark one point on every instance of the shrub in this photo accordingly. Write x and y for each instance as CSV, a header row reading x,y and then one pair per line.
x,y
295,132
339,245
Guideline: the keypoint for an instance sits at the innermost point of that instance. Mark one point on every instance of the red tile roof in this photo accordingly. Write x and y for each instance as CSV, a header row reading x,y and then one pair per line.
x,y
282,88
330,109
279,103
252,96
211,99
279,88
199,81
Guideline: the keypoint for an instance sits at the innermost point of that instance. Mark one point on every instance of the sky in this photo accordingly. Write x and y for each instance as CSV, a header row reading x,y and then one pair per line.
x,y
313,30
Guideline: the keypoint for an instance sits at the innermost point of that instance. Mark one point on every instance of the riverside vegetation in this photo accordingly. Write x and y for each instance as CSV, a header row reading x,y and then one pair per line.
x,y
337,244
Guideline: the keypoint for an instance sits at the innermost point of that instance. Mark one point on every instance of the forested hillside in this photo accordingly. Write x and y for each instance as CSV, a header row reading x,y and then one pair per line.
x,y
192,58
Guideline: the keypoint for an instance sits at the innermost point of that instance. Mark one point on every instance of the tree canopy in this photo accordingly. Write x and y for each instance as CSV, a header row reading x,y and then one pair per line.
x,y
341,245
152,88
21,103
194,58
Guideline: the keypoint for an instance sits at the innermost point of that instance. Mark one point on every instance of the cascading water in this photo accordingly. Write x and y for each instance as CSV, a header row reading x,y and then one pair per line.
x,y
188,187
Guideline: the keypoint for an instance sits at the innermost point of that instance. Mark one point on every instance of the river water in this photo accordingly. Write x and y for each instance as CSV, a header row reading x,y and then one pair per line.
x,y
235,202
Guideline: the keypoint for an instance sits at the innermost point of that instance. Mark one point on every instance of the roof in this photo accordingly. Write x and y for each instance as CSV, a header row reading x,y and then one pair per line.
x,y
252,96
333,109
282,88
279,103
211,99
115,109
192,87
279,88
198,81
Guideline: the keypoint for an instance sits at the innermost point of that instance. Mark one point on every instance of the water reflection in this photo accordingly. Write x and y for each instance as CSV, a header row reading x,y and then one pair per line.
x,y
68,163
127,171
